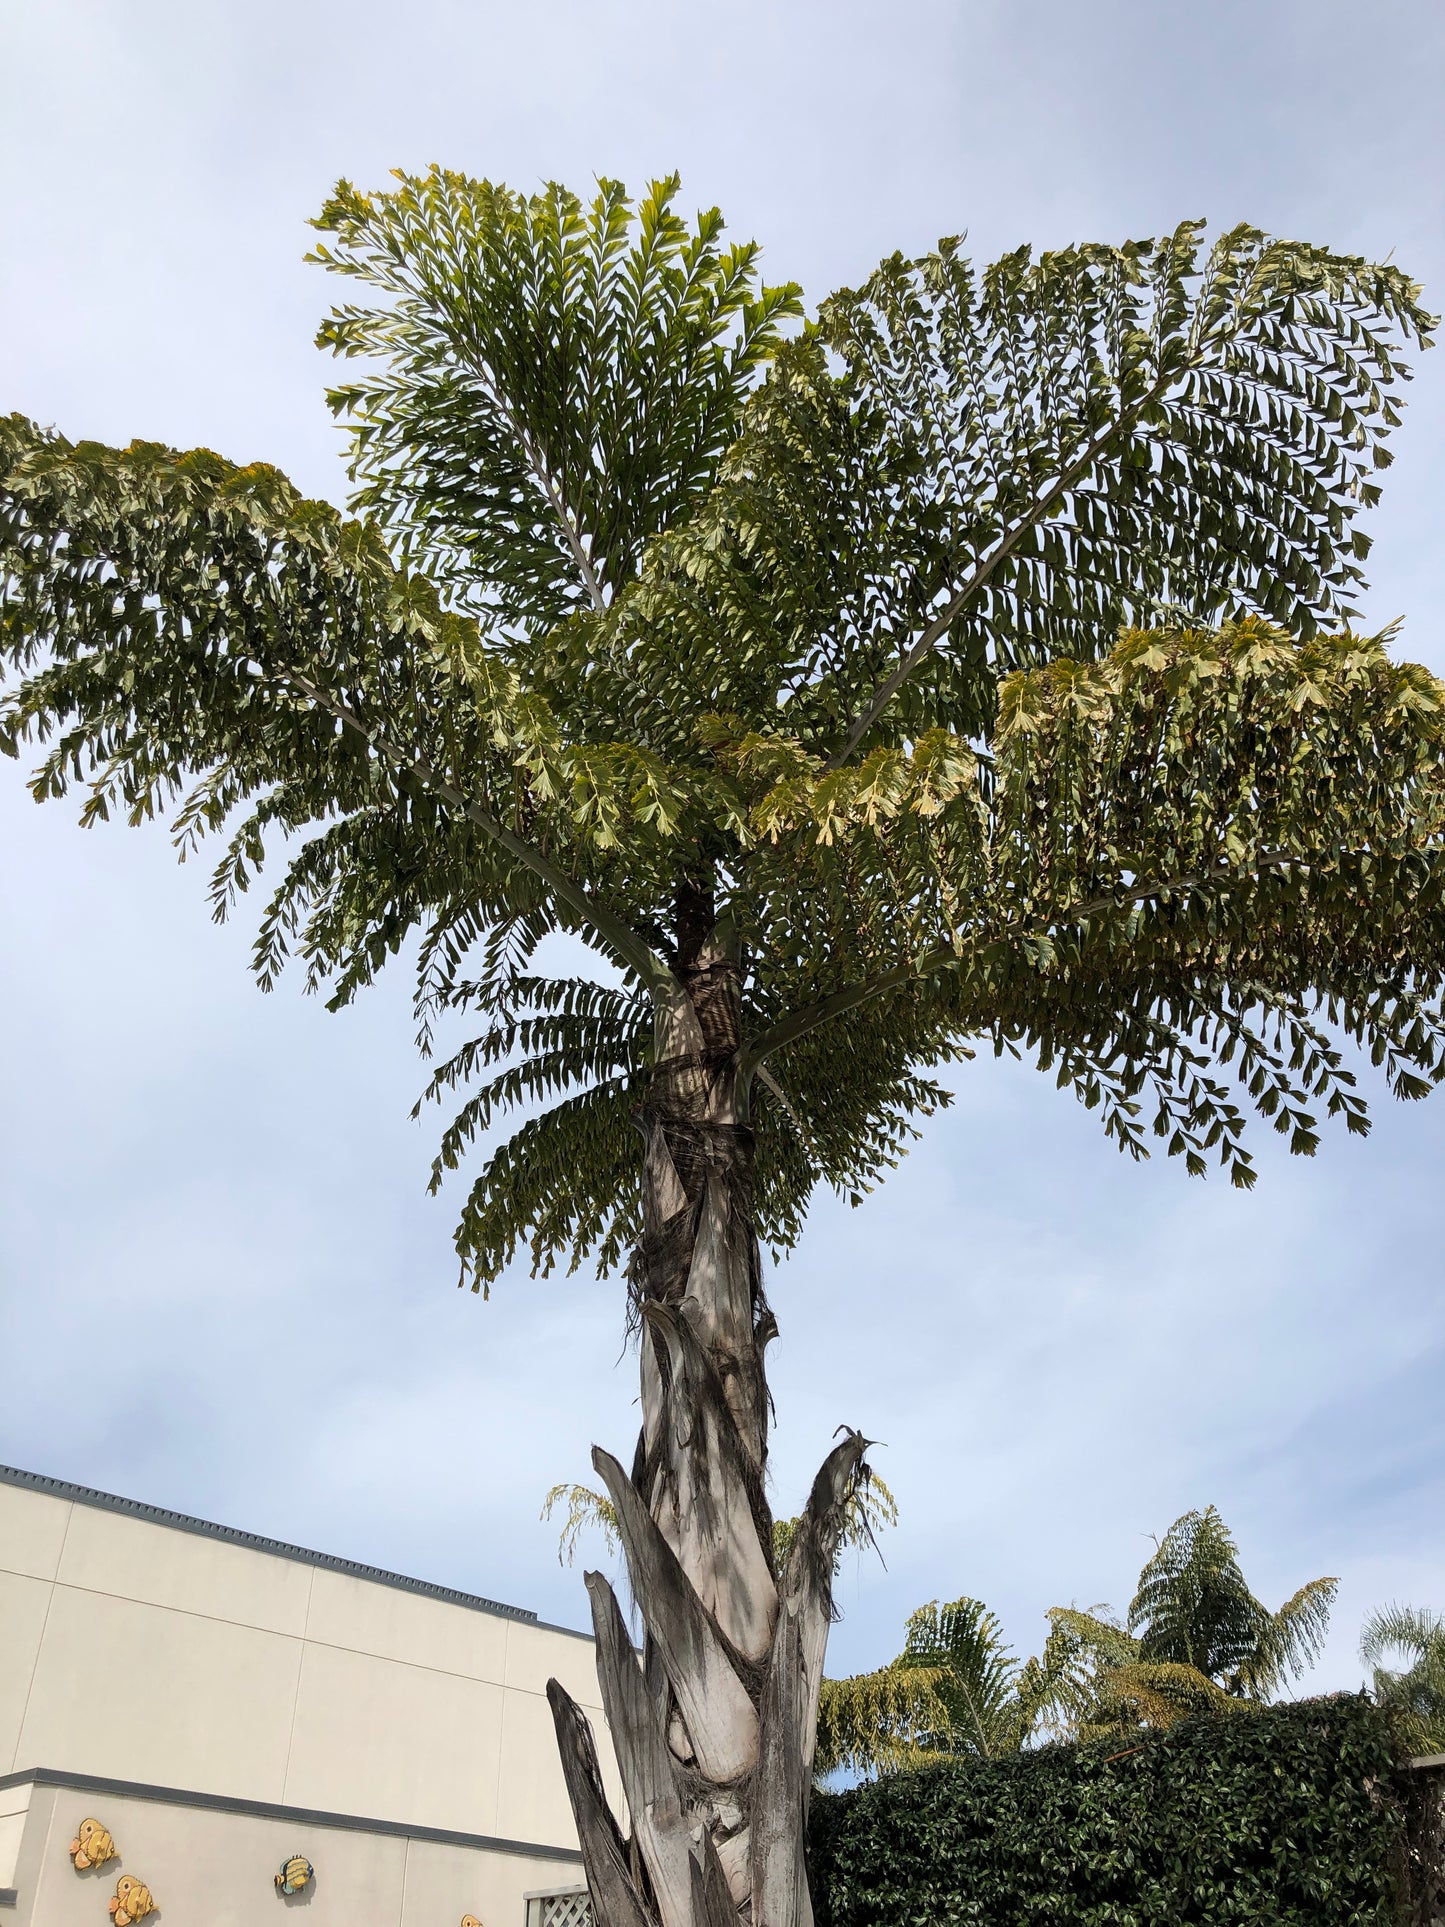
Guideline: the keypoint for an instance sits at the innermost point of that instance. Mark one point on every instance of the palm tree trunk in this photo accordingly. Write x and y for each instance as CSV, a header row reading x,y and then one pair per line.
x,y
713,1728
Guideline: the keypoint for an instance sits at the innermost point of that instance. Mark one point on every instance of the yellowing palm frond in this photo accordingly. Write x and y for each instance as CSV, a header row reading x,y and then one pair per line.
x,y
880,1722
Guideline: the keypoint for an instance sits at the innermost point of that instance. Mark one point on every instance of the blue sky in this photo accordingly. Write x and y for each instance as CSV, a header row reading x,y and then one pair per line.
x,y
222,1287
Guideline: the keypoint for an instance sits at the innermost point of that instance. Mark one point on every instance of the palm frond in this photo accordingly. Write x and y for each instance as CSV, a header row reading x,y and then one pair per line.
x,y
869,1509
584,1508
1192,1607
1292,1640
1412,1694
557,381
880,1722
638,588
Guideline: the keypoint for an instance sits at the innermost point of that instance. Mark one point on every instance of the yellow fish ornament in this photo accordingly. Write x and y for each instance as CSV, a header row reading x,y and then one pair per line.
x,y
131,1901
470,1920
295,1873
91,1847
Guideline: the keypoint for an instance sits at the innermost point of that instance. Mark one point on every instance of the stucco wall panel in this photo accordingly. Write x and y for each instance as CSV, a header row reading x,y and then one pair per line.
x,y
152,1649
134,1559
444,1883
215,1867
23,1604
169,1698
29,1864
211,1869
392,1624
403,1743
32,1531
14,1812
532,1793
536,1654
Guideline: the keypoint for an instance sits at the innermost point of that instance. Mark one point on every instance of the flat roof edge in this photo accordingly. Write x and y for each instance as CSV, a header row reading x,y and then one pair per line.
x,y
45,1776
256,1542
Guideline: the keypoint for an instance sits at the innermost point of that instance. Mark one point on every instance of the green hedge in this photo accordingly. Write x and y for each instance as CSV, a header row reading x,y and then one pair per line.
x,y
1282,1816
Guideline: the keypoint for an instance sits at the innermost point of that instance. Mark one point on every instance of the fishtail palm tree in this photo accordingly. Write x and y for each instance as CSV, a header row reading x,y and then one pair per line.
x,y
955,1688
973,669
1413,1694
1196,1639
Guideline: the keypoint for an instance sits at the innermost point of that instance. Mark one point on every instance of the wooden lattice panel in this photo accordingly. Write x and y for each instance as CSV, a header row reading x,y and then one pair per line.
x,y
567,1910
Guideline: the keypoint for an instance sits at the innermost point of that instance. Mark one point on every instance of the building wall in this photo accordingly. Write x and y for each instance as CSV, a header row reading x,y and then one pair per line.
x,y
140,1651
217,1869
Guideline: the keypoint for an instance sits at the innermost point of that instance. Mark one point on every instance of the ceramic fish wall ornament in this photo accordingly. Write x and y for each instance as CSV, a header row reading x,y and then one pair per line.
x,y
470,1920
91,1847
295,1874
131,1901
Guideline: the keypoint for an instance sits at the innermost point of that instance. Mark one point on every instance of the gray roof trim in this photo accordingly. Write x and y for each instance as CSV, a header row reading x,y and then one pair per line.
x,y
278,1549
294,1816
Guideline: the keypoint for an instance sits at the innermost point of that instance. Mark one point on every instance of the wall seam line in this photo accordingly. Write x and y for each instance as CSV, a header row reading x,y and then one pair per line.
x,y
40,1643
502,1728
296,1693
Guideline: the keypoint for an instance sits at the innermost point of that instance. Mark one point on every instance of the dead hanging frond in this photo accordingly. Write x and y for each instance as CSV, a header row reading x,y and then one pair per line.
x,y
584,1508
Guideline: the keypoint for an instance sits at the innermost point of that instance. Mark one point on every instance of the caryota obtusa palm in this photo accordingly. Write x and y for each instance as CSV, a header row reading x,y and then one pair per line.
x,y
968,666
1196,1640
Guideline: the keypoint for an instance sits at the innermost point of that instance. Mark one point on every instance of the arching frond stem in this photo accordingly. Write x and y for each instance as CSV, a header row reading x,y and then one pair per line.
x,y
1042,505
547,480
811,1017
623,945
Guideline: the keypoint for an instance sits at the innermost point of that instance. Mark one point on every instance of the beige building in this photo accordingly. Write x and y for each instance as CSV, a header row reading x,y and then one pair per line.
x,y
220,1704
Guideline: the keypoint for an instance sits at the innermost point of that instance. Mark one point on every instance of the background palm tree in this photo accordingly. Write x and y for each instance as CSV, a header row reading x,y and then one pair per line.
x,y
956,1687
977,1679
1414,1696
1196,1638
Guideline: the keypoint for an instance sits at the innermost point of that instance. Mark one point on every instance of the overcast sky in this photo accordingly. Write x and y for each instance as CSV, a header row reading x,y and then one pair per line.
x,y
224,1289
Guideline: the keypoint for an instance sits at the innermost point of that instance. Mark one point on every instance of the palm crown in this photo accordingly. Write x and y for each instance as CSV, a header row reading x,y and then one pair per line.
x,y
973,666
625,638
1196,1637
1412,1694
